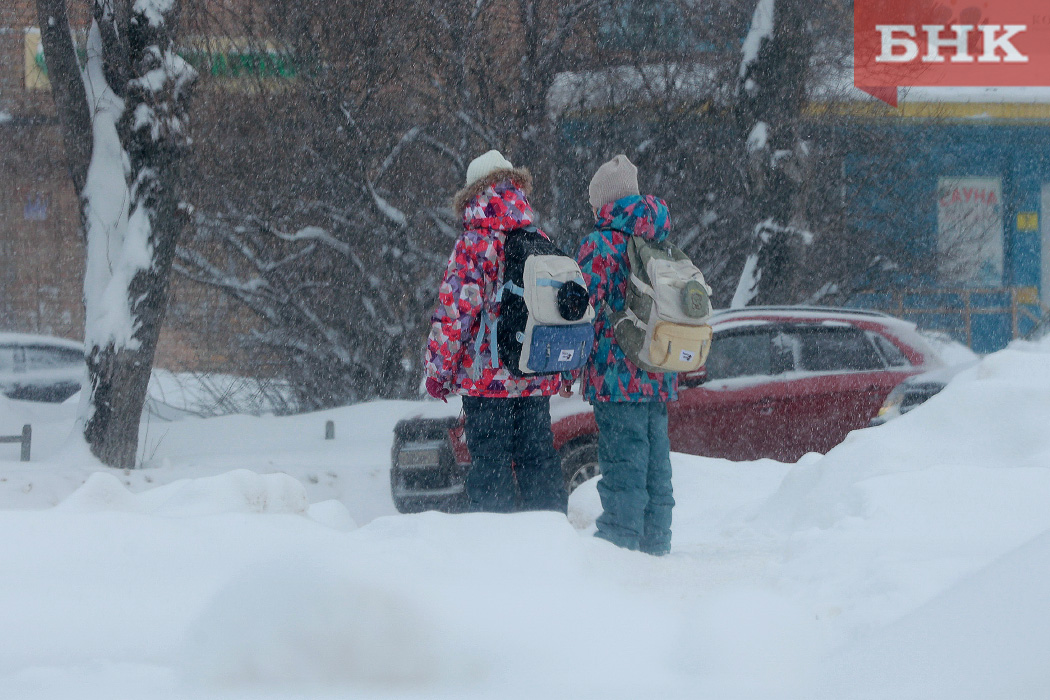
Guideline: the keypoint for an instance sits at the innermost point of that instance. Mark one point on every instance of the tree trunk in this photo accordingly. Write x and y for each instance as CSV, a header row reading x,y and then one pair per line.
x,y
67,87
772,95
124,132
120,377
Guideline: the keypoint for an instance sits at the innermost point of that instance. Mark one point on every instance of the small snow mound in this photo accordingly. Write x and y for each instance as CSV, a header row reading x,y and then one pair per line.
x,y
238,491
585,505
333,514
101,492
303,625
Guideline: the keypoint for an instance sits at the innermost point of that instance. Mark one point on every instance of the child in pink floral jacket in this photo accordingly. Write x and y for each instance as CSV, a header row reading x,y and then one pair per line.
x,y
507,417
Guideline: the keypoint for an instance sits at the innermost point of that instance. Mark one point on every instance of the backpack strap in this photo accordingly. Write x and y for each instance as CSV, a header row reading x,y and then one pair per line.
x,y
635,260
645,288
488,327
556,284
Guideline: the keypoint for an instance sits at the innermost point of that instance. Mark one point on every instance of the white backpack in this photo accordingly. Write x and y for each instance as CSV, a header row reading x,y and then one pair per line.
x,y
663,326
546,321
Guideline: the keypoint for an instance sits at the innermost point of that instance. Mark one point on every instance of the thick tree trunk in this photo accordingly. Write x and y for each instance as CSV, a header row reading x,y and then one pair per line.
x,y
117,394
120,377
123,117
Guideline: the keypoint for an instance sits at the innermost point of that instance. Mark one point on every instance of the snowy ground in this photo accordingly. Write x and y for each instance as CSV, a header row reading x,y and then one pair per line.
x,y
254,559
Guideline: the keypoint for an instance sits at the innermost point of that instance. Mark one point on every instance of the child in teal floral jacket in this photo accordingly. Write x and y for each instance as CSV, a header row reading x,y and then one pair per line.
x,y
630,404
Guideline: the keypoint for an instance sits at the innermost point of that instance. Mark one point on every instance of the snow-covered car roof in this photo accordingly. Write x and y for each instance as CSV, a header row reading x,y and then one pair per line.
x,y
751,316
31,339
808,313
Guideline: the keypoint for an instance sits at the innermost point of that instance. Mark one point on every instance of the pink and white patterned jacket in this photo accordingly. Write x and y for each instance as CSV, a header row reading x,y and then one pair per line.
x,y
472,278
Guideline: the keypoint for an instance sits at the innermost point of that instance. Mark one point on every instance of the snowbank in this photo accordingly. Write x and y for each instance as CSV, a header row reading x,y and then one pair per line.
x,y
239,491
909,562
986,637
353,468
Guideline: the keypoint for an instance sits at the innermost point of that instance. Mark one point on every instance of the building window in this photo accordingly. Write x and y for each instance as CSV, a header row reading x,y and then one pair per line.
x,y
646,25
36,206
970,232
35,70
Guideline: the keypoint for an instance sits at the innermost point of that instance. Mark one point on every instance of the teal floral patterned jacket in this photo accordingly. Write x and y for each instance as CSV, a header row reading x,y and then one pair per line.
x,y
609,375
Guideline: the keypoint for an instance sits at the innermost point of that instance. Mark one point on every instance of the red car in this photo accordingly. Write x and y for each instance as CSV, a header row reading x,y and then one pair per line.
x,y
780,382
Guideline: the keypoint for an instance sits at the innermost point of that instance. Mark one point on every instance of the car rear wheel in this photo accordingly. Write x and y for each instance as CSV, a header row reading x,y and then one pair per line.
x,y
579,463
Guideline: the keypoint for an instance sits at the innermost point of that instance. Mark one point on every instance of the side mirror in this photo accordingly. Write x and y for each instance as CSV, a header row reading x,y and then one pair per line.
x,y
693,379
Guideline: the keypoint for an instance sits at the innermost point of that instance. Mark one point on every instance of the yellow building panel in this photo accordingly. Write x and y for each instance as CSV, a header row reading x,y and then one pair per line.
x,y
937,110
1028,221
35,71
1028,296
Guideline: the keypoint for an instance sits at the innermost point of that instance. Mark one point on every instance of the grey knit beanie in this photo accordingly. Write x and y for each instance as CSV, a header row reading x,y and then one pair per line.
x,y
614,180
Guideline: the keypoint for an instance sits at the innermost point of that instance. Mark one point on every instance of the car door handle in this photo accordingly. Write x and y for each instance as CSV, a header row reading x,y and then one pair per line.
x,y
765,408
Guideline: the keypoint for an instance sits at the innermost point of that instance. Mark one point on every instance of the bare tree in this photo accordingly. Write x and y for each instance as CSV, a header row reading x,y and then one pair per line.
x,y
314,229
336,226
321,203
123,115
487,69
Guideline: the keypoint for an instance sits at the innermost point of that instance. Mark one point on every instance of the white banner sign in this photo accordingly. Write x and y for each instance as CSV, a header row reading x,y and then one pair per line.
x,y
970,232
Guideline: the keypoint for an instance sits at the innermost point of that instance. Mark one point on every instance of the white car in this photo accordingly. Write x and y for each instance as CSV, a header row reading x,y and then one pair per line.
x,y
40,368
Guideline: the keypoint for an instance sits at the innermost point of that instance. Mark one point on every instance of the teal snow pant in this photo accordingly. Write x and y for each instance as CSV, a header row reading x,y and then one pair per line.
x,y
634,454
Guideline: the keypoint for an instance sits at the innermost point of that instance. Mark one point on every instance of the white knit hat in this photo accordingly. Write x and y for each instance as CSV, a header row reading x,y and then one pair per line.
x,y
614,180
486,164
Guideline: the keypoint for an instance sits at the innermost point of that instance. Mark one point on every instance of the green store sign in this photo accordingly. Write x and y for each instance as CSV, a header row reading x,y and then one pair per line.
x,y
241,64
233,63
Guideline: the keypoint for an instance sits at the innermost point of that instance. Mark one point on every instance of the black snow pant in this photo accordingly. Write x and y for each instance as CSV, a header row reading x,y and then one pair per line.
x,y
502,431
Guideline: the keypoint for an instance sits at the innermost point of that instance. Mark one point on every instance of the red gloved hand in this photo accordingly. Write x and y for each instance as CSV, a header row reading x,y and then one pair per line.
x,y
437,389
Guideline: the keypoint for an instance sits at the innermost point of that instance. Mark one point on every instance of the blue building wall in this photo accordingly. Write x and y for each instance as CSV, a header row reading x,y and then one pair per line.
x,y
1017,153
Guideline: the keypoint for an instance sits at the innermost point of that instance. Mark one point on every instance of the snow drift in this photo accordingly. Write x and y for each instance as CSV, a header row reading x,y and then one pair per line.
x,y
908,562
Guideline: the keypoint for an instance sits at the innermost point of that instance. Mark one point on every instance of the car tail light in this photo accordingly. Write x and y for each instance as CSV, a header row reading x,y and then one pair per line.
x,y
458,439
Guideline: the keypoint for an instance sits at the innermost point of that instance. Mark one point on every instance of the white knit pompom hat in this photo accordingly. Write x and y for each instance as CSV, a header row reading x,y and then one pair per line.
x,y
486,164
614,180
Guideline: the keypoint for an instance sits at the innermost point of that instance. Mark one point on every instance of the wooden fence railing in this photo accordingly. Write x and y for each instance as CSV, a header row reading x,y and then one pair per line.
x,y
1019,304
26,438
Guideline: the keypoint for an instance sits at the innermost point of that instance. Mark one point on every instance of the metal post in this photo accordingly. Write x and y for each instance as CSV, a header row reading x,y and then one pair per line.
x,y
969,321
1015,314
27,441
329,430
